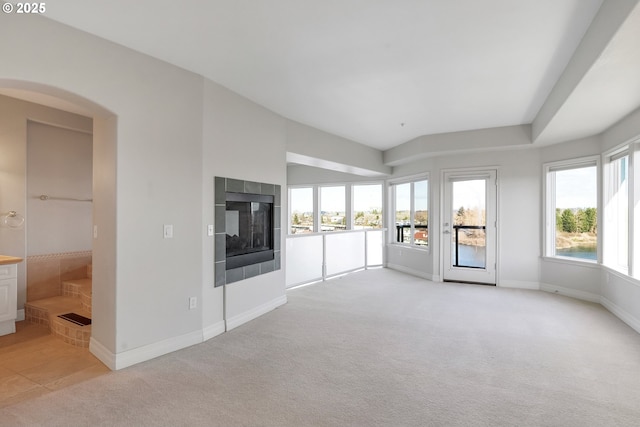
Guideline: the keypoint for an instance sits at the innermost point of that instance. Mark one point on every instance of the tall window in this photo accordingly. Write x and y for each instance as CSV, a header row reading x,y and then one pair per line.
x,y
333,215
411,212
301,210
572,194
367,206
616,204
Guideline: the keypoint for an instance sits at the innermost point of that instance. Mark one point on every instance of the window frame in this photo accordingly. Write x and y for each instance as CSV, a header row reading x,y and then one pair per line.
x,y
610,234
351,218
346,201
289,206
549,205
392,185
348,194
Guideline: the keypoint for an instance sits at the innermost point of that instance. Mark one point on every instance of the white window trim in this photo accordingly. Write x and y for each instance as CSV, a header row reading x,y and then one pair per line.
x,y
352,214
549,216
348,202
608,238
391,184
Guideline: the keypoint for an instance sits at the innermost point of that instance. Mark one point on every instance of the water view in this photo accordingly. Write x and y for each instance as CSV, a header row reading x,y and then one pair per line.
x,y
584,252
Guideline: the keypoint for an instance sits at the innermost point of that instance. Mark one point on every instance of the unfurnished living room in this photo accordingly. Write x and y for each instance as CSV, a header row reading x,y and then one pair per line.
x,y
320,213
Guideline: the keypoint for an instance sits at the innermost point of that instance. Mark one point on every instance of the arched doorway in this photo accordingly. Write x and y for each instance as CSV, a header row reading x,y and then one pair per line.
x,y
46,106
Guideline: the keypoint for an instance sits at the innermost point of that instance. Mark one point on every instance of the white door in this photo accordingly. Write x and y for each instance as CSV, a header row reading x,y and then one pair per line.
x,y
469,227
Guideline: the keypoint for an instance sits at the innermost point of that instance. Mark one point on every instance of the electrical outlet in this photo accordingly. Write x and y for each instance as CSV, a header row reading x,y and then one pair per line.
x,y
193,303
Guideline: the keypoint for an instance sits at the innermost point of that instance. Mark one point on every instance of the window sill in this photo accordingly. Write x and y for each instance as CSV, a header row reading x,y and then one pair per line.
x,y
572,261
409,246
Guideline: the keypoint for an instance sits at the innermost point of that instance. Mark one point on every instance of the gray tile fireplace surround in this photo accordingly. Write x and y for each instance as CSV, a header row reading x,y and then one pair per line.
x,y
222,185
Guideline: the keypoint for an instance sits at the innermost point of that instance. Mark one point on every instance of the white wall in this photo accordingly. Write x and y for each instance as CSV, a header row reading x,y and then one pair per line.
x,y
572,278
59,164
242,140
593,282
312,147
308,175
519,229
160,135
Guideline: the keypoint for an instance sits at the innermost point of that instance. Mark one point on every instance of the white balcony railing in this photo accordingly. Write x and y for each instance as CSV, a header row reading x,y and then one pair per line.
x,y
319,256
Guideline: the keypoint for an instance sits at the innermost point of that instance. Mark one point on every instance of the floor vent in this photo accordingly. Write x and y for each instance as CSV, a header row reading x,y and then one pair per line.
x,y
76,318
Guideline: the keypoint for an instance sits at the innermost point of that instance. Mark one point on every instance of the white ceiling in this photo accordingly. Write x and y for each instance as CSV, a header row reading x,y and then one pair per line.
x,y
379,72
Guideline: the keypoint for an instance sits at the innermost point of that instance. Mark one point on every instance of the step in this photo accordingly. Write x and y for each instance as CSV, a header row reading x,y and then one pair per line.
x,y
79,288
45,312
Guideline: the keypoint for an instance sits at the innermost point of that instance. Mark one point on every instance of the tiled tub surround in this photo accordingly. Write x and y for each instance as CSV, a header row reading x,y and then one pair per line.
x,y
221,187
45,273
59,284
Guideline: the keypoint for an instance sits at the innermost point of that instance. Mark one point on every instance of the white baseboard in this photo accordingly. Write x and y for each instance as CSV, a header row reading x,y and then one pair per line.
x,y
102,353
247,316
519,284
20,315
621,314
573,293
413,272
142,354
213,330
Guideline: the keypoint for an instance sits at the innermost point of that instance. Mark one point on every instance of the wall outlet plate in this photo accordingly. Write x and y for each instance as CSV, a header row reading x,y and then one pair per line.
x,y
193,303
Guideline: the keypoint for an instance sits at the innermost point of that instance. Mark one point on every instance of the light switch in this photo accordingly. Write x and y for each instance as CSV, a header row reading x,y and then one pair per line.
x,y
210,230
168,231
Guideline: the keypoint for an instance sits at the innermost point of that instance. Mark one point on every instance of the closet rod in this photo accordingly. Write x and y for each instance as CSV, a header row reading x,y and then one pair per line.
x,y
45,198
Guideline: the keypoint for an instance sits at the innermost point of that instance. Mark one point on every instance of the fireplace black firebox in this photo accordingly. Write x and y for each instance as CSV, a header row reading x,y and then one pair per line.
x,y
249,229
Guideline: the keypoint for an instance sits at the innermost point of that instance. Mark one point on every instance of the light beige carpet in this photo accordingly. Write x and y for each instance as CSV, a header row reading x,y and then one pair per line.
x,y
379,348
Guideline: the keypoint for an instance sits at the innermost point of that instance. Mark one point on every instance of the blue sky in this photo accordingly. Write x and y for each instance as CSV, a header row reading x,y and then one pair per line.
x,y
365,197
576,188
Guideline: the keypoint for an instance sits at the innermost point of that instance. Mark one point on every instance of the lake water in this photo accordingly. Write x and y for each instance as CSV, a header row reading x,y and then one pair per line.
x,y
474,256
584,252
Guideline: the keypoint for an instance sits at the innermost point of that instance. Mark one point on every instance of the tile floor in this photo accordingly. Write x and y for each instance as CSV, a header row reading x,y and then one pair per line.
x,y
33,362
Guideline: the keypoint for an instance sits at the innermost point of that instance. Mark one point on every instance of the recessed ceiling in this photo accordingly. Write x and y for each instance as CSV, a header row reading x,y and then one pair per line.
x,y
378,72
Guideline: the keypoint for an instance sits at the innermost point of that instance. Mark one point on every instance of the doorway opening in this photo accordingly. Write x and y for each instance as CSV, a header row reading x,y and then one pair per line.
x,y
56,209
469,226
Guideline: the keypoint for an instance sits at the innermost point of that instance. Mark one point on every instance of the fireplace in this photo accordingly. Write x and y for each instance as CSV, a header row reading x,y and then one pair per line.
x,y
249,229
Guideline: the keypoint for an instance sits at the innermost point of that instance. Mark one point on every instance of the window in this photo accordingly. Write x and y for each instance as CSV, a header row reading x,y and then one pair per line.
x,y
367,206
571,209
411,212
616,211
326,208
332,208
301,210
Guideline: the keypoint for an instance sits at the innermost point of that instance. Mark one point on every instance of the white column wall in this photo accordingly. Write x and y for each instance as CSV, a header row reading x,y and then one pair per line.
x,y
241,140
